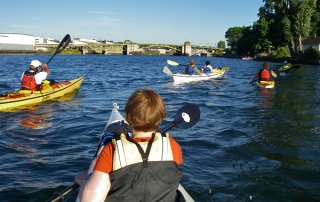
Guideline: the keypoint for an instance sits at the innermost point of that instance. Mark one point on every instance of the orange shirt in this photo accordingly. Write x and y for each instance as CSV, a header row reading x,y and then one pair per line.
x,y
105,160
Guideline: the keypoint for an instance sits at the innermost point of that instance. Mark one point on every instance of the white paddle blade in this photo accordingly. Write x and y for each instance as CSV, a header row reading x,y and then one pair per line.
x,y
273,74
173,63
167,71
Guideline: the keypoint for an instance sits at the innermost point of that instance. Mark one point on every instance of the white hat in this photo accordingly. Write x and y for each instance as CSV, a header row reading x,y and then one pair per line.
x,y
285,62
35,63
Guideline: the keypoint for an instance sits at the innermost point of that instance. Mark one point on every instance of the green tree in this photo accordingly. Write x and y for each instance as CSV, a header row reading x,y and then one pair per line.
x,y
232,35
221,44
315,21
311,53
294,20
302,27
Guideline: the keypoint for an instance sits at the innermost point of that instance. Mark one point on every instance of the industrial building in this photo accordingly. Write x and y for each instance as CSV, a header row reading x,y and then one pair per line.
x,y
16,42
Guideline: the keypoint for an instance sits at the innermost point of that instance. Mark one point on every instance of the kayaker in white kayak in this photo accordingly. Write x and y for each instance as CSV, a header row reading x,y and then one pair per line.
x,y
32,78
137,168
263,74
192,69
208,68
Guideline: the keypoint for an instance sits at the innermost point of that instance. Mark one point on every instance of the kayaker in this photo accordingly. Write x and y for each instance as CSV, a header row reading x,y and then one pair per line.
x,y
285,67
192,69
32,78
150,173
263,74
207,68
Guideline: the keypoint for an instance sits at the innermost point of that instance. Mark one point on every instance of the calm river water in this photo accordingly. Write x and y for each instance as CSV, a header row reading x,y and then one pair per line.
x,y
249,145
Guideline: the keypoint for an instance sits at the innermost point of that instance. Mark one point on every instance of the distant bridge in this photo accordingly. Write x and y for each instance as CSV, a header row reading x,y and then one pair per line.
x,y
123,48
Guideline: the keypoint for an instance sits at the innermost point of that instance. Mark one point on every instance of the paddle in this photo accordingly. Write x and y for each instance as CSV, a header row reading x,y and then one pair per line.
x,y
167,71
186,117
63,44
173,63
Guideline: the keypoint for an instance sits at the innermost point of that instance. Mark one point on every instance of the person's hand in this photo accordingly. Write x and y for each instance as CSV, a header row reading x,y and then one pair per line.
x,y
44,66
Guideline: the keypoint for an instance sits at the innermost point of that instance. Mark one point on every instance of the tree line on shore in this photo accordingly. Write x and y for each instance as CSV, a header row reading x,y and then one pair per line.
x,y
279,31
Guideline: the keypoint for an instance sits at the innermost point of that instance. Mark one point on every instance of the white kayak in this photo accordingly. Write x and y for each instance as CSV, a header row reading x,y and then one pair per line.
x,y
205,76
284,73
116,121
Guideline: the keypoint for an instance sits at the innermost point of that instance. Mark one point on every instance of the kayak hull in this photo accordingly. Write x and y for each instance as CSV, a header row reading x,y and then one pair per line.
x,y
284,73
22,98
115,122
186,77
265,84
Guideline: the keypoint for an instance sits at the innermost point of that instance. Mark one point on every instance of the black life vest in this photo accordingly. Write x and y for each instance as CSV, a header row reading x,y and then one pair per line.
x,y
138,176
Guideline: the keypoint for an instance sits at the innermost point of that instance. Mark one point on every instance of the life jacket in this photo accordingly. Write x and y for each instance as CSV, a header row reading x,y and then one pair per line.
x,y
29,82
207,70
191,71
264,75
143,171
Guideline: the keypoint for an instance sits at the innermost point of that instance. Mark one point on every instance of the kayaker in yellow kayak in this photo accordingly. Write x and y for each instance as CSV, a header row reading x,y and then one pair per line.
x,y
263,74
144,167
32,78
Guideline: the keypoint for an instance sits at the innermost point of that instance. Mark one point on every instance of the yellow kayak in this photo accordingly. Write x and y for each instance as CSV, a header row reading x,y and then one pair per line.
x,y
265,84
26,97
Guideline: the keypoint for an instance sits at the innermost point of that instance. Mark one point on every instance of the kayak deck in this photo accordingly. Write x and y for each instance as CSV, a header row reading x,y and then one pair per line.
x,y
265,84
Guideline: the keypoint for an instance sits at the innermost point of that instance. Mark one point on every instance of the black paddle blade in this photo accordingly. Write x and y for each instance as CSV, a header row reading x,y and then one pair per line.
x,y
187,116
297,66
63,44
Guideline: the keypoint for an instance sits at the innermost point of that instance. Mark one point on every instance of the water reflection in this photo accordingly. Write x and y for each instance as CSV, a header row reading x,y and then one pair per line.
x,y
267,96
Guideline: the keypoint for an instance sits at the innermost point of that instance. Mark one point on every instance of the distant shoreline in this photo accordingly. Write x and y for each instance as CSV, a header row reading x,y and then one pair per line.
x,y
290,60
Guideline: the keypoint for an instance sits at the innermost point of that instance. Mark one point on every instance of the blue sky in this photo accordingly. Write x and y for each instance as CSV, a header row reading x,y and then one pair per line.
x,y
202,22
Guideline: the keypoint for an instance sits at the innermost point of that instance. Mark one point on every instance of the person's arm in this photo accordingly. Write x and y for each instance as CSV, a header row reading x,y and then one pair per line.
x,y
256,76
46,69
197,71
96,188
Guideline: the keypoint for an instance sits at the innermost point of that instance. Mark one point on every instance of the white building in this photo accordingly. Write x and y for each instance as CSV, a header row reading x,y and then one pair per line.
x,y
312,42
15,41
186,49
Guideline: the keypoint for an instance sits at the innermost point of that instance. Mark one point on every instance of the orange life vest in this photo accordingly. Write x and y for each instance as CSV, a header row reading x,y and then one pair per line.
x,y
264,75
28,81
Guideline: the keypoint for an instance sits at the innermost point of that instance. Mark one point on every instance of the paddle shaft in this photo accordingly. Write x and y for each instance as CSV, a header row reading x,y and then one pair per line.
x,y
58,197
